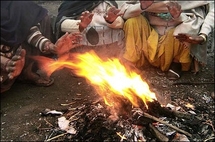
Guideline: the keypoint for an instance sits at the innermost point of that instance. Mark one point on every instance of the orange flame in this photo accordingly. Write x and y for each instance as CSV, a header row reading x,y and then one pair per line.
x,y
110,78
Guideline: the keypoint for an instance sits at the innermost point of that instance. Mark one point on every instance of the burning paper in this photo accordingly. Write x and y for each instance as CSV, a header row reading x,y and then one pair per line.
x,y
64,124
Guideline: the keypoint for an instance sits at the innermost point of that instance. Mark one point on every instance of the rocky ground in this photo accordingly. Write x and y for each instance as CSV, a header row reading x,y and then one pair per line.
x,y
21,106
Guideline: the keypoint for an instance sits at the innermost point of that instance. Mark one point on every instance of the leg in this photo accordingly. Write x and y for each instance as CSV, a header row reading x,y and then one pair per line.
x,y
136,32
175,57
31,72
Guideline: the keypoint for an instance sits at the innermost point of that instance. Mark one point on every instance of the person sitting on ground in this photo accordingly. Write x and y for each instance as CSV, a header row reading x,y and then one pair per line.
x,y
149,34
99,23
26,31
199,39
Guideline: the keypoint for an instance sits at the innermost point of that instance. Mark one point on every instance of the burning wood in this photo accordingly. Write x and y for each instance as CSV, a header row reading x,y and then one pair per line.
x,y
93,122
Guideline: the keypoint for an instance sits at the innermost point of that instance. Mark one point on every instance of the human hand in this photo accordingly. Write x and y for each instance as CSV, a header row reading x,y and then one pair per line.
x,y
15,65
112,14
194,39
67,42
86,17
144,4
48,48
174,9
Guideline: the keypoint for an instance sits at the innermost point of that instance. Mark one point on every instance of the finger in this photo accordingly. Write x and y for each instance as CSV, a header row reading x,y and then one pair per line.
x,y
15,58
105,16
10,69
85,12
81,18
183,35
23,53
180,37
18,51
77,34
74,36
112,9
63,38
116,11
10,76
168,5
59,43
179,6
119,14
12,63
66,34
191,38
91,16
67,37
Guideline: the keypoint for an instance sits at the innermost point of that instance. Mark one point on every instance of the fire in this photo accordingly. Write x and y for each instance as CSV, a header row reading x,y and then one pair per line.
x,y
109,77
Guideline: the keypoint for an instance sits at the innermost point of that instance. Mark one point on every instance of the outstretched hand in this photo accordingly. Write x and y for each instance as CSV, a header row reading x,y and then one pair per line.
x,y
174,9
194,39
67,42
86,17
144,4
112,14
15,65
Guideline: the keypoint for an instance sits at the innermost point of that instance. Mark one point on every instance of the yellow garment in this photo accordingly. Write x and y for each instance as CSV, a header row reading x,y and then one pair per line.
x,y
142,41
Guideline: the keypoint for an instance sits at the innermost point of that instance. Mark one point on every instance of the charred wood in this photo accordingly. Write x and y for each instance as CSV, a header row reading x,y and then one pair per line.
x,y
144,115
161,137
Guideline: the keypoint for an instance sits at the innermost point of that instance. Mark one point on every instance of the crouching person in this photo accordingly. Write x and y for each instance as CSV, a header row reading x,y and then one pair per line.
x,y
151,31
26,31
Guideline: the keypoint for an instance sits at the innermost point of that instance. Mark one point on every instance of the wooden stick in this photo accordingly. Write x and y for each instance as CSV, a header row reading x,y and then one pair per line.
x,y
158,134
182,114
56,137
169,125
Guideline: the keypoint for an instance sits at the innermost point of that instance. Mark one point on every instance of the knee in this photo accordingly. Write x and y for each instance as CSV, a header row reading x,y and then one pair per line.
x,y
132,20
136,21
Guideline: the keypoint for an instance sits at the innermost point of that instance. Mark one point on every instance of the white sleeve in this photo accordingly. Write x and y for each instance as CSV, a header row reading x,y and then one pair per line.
x,y
70,25
117,24
208,24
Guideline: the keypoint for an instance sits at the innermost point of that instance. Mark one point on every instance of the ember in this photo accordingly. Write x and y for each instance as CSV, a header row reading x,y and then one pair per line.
x,y
91,121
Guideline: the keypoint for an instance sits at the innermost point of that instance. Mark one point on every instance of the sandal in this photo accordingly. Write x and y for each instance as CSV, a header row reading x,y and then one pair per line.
x,y
174,72
172,75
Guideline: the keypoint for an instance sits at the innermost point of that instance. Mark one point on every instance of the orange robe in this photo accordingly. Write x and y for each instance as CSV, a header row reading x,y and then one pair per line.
x,y
143,42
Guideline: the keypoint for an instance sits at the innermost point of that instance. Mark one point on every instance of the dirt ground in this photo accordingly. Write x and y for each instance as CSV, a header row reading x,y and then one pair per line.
x,y
21,106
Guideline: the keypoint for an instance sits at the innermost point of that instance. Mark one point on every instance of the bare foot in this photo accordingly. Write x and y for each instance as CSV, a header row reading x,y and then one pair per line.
x,y
15,65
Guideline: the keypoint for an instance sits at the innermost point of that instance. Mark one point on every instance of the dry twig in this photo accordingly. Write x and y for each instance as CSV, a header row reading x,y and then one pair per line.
x,y
56,137
167,124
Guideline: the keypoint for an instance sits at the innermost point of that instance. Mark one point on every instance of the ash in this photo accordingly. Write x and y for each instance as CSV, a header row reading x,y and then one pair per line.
x,y
98,122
